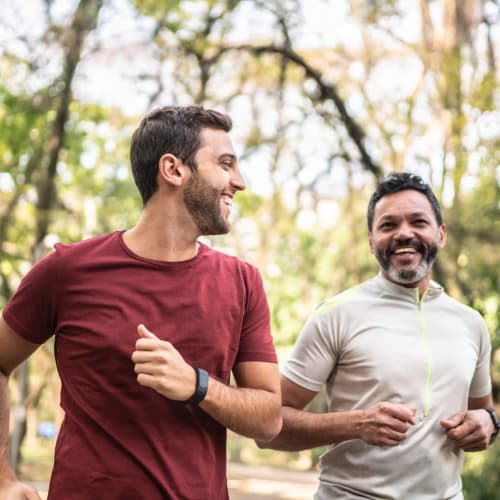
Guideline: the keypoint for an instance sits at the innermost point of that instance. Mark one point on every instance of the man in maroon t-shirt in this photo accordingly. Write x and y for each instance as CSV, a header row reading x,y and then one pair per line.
x,y
149,324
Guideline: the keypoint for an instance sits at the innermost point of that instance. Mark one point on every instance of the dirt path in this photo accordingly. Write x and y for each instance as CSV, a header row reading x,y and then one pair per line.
x,y
258,483
265,483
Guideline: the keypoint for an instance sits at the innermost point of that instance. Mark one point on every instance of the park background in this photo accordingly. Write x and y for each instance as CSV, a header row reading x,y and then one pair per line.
x,y
326,96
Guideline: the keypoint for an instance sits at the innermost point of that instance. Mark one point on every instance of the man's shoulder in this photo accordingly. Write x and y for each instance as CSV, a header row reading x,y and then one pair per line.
x,y
458,308
65,254
228,259
86,244
351,298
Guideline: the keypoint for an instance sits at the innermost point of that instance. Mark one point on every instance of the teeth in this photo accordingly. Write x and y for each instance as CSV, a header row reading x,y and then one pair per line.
x,y
405,250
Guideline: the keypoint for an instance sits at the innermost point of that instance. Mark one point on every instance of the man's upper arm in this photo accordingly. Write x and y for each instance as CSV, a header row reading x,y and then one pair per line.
x,y
257,375
14,348
294,395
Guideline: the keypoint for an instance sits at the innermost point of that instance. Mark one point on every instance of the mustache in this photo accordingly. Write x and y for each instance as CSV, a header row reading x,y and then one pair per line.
x,y
417,245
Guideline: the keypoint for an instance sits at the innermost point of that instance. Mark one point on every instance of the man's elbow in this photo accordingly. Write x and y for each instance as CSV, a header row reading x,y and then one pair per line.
x,y
271,441
271,430
265,444
275,428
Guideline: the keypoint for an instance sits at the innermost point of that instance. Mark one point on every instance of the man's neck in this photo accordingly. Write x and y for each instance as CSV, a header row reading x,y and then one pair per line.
x,y
156,238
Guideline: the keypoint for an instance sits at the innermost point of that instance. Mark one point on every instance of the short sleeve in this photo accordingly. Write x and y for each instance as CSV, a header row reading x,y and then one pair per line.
x,y
256,343
31,312
314,355
481,381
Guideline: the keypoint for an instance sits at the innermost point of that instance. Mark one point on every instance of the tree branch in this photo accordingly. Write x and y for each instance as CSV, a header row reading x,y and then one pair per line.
x,y
326,92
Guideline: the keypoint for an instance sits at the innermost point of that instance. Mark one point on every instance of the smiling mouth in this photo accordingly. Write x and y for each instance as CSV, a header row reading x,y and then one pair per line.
x,y
402,250
228,201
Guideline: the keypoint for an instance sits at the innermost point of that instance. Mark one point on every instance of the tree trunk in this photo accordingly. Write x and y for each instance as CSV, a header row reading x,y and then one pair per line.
x,y
84,20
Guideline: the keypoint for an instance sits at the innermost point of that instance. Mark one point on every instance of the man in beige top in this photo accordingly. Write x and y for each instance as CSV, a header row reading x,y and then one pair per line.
x,y
406,367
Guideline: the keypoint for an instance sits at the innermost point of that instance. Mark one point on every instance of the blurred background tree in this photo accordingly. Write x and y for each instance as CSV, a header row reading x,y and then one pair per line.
x,y
326,96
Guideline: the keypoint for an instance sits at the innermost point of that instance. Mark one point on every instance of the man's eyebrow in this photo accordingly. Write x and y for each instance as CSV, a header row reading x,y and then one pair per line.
x,y
229,156
387,216
395,215
420,214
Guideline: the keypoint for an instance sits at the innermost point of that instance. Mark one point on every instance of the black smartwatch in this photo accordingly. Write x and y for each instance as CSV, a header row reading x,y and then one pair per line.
x,y
201,387
496,423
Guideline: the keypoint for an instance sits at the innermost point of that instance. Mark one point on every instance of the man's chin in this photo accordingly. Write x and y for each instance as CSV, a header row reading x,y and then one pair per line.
x,y
403,277
408,277
215,230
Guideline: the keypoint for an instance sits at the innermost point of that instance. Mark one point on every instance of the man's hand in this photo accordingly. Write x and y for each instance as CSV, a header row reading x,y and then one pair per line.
x,y
17,491
160,366
471,430
386,424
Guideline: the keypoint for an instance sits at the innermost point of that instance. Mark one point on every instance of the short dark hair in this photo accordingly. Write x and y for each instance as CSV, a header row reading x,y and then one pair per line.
x,y
169,129
399,181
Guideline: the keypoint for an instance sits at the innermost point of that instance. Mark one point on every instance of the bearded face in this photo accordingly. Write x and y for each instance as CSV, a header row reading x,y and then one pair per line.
x,y
411,271
203,202
405,237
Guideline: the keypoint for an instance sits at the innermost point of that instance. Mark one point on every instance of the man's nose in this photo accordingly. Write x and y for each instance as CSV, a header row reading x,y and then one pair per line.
x,y
237,180
404,231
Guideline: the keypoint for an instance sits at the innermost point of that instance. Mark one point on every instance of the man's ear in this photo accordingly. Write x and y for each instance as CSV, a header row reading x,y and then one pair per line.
x,y
172,170
370,241
442,236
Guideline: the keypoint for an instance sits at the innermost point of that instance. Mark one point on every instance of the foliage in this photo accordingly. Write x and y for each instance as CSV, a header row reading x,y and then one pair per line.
x,y
92,186
318,117
480,477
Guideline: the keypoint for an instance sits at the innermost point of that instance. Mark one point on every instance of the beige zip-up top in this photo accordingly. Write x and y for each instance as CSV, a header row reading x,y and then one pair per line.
x,y
382,342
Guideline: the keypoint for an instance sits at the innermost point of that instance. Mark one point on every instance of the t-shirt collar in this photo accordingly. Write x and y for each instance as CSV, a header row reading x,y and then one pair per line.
x,y
434,290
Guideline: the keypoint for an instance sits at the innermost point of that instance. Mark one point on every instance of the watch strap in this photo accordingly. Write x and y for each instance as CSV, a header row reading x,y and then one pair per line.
x,y
496,423
201,388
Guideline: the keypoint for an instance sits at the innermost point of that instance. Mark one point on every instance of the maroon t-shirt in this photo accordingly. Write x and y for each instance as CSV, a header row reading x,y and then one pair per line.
x,y
120,440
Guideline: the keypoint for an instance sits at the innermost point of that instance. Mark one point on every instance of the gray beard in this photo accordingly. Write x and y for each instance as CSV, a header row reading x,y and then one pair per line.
x,y
408,276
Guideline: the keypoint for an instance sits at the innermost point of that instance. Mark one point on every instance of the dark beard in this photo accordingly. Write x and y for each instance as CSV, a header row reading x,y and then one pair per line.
x,y
203,203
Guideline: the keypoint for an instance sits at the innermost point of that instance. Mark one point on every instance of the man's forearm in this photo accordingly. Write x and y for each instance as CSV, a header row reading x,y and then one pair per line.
x,y
6,472
254,413
304,430
383,424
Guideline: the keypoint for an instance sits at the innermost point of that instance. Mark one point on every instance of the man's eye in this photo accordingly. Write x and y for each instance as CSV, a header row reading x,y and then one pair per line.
x,y
225,165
